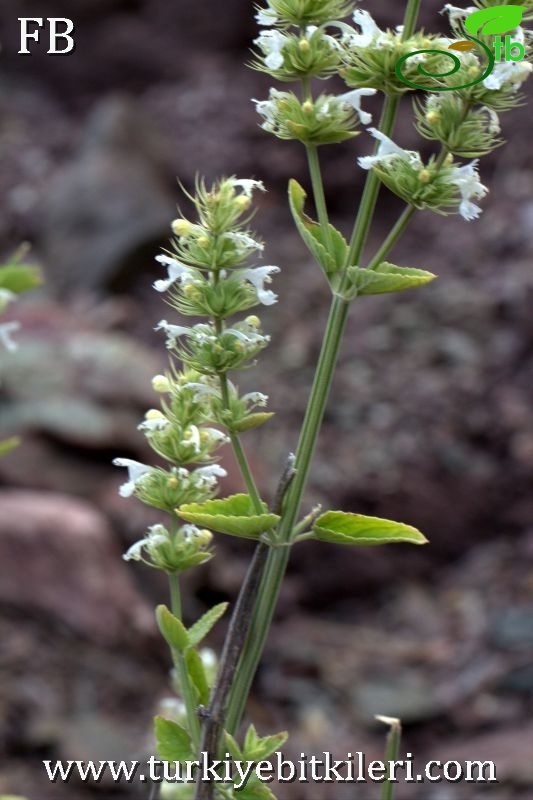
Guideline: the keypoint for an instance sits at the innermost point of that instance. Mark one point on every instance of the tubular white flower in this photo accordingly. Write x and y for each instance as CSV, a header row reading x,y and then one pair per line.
x,y
370,34
176,272
6,329
211,471
388,151
266,16
248,243
466,178
247,185
136,471
272,43
134,552
353,99
513,73
255,398
258,276
173,332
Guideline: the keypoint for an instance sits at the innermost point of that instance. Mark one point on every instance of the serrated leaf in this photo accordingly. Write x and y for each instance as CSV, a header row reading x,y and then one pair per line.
x,y
172,629
386,278
233,515
7,446
232,747
331,260
18,279
196,671
258,748
341,527
201,628
173,741
252,421
500,19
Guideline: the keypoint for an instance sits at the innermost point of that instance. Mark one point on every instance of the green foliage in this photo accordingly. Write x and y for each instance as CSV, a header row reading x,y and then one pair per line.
x,y
18,279
329,246
197,674
172,629
173,741
385,278
202,627
341,527
233,515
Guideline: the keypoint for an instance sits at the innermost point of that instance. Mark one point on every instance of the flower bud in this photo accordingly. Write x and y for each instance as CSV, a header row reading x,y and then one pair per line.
x,y
424,176
161,384
242,202
181,227
432,117
307,107
304,45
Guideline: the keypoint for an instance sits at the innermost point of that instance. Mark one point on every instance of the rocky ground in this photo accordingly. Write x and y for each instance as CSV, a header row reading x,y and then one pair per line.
x,y
430,422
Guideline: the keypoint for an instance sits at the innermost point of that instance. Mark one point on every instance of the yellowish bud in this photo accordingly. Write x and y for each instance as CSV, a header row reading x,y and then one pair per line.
x,y
424,176
181,227
172,482
154,413
242,202
433,117
161,384
254,321
304,45
307,107
473,71
203,241
204,538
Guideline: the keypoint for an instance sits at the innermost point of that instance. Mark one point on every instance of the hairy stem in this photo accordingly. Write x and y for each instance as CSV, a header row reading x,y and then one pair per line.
x,y
187,690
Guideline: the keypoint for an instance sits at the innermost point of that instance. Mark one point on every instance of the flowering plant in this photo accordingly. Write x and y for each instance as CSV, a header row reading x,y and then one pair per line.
x,y
212,274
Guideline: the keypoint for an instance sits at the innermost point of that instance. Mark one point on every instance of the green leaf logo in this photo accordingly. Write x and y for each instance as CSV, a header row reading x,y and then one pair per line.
x,y
490,21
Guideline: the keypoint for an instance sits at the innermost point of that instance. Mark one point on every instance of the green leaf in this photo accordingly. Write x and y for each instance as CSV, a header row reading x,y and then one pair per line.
x,y
232,747
252,421
500,19
18,279
386,278
173,741
255,790
331,260
233,515
7,446
196,671
200,629
341,527
257,748
173,630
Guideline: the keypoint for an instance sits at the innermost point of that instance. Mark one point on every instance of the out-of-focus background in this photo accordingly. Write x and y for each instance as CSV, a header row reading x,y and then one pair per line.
x,y
430,419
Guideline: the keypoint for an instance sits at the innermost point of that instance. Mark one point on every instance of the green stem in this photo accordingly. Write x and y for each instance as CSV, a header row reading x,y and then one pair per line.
x,y
278,558
187,690
318,188
392,750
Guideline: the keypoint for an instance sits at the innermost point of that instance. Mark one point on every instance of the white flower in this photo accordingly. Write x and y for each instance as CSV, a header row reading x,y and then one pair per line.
x,y
247,185
6,329
209,659
455,13
370,33
266,16
258,276
255,398
245,241
176,272
136,471
134,553
513,73
216,437
388,151
272,43
353,99
192,436
466,178
173,332
212,471
154,421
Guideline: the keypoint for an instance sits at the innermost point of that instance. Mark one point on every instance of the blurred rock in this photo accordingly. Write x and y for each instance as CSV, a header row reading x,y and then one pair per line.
x,y
109,207
60,561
